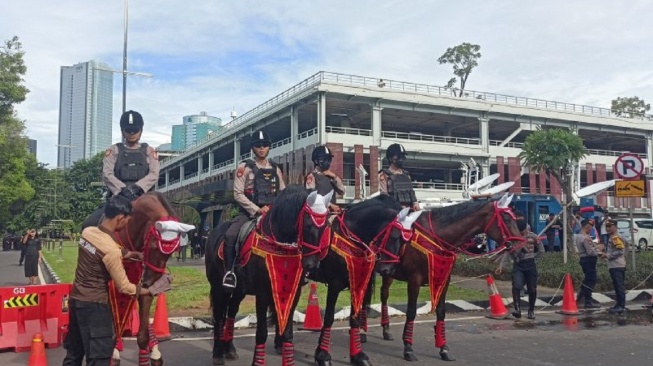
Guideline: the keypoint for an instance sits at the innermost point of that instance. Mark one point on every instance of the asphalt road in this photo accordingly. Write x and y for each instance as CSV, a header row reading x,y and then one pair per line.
x,y
598,339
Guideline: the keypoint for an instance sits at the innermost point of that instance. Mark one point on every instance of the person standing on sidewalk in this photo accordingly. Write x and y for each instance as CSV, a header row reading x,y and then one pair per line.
x,y
616,266
33,256
588,251
524,270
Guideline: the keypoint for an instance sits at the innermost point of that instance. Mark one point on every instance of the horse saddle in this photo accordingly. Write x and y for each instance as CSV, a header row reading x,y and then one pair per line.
x,y
244,232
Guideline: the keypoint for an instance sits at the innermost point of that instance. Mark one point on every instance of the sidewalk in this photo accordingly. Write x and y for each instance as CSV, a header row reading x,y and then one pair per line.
x,y
11,274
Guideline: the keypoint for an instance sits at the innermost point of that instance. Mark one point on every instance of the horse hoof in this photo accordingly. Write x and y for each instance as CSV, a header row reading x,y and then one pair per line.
x,y
115,362
278,350
231,355
410,356
446,356
323,362
218,361
387,336
360,359
363,337
158,362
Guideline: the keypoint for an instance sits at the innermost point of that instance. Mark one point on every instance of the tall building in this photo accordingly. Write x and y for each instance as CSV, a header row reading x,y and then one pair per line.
x,y
85,111
31,146
195,127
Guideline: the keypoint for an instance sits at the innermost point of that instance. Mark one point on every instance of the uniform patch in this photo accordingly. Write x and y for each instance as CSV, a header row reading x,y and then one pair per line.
x,y
241,171
108,153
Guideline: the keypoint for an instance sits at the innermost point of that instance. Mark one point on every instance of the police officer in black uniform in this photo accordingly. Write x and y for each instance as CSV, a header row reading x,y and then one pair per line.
x,y
395,181
256,184
322,179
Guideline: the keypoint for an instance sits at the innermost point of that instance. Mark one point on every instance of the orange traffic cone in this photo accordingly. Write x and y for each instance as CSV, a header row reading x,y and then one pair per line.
x,y
160,324
313,319
497,308
569,306
37,353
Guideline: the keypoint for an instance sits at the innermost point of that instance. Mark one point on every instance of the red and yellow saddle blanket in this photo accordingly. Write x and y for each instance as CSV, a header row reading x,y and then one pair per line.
x,y
122,304
440,261
360,265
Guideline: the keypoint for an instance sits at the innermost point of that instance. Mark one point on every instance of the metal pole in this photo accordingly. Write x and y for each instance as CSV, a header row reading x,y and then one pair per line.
x,y
124,61
564,233
632,246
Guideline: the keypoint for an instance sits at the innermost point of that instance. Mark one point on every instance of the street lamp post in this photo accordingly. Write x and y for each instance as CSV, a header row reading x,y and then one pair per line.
x,y
124,59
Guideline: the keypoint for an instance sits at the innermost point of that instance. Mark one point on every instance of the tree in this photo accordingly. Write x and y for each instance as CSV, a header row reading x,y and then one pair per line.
x,y
12,70
464,59
555,151
630,107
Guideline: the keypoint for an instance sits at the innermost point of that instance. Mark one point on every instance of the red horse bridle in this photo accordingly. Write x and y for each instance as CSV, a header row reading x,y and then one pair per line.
x,y
378,245
165,246
319,221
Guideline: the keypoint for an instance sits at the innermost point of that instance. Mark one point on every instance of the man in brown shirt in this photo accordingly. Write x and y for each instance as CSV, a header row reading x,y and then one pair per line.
x,y
395,181
256,183
99,259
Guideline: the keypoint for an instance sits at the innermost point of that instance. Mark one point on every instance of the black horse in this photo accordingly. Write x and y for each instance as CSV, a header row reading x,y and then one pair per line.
x,y
369,234
292,229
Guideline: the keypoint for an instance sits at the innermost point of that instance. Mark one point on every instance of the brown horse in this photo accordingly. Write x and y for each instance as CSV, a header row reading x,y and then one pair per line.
x,y
286,243
429,259
153,230
367,237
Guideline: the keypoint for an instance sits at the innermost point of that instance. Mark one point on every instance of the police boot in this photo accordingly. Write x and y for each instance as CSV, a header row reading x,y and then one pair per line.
x,y
532,296
516,302
229,280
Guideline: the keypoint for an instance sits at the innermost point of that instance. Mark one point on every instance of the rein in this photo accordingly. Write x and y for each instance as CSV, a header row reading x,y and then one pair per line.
x,y
378,245
319,221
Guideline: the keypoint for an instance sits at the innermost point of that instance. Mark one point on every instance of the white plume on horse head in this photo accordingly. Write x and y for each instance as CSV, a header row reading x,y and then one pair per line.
x,y
318,203
504,202
407,219
171,229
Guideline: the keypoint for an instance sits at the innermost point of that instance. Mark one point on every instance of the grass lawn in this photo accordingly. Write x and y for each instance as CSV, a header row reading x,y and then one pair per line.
x,y
190,289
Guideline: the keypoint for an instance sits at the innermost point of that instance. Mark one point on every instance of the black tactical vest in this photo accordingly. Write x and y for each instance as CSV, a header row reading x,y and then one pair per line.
x,y
131,164
266,184
323,185
400,187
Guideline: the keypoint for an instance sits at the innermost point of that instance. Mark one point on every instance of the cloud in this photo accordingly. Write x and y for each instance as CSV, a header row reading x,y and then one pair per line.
x,y
217,55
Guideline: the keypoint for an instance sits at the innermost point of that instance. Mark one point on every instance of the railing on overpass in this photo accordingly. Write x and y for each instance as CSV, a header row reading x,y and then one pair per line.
x,y
349,131
519,145
430,138
223,164
305,134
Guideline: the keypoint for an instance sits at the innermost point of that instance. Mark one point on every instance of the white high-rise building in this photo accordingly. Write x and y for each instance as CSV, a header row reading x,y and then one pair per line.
x,y
85,111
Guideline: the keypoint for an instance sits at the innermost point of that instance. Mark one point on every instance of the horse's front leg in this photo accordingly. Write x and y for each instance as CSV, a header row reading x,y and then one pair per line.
x,y
145,338
440,337
385,317
322,353
356,354
413,292
287,347
262,303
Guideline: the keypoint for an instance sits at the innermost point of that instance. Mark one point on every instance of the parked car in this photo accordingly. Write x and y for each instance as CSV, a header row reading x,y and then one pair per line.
x,y
643,232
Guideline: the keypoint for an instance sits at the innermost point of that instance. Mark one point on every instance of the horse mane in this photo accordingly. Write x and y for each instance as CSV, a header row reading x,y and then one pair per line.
x,y
285,210
365,218
164,202
450,214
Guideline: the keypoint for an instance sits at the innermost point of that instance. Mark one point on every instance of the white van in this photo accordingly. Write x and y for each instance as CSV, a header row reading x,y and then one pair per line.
x,y
643,233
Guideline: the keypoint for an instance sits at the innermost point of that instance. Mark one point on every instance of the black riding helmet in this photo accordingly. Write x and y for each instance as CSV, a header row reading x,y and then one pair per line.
x,y
131,120
395,150
321,152
259,137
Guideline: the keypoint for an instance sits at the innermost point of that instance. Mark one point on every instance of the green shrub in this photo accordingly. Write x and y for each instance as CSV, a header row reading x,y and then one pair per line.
x,y
551,271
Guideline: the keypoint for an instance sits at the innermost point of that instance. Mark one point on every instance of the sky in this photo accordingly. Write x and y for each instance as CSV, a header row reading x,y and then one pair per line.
x,y
218,55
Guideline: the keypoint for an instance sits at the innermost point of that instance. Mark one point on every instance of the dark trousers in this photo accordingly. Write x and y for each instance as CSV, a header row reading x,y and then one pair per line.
x,y
588,264
524,272
618,276
90,334
23,247
230,238
550,241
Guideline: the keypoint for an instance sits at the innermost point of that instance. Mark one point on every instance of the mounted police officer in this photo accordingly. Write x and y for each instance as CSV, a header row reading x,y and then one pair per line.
x,y
131,168
322,179
395,181
256,184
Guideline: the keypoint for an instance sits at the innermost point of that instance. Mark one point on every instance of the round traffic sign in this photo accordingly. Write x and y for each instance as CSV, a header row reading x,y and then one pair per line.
x,y
629,166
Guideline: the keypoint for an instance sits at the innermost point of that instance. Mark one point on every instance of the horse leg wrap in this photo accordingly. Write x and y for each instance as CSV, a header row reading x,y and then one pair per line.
x,y
385,318
143,357
119,345
228,334
287,354
408,332
218,331
355,346
153,340
325,340
362,319
259,355
440,338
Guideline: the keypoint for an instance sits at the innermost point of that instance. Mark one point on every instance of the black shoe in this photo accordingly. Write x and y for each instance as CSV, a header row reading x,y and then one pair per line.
x,y
616,310
531,315
592,305
229,280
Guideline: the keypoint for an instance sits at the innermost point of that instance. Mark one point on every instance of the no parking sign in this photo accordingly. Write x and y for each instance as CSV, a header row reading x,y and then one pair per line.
x,y
629,167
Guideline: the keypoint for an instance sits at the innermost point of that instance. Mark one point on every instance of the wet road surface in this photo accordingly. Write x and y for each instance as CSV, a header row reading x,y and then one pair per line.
x,y
552,339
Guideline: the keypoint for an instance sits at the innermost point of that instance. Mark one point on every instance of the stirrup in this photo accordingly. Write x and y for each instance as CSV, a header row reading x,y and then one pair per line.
x,y
229,280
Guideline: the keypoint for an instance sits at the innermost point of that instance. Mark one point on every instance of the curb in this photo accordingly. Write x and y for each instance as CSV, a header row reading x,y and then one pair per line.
x,y
49,274
423,308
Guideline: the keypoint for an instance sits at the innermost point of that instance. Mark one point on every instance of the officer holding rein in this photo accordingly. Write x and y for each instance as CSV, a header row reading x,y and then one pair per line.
x,y
131,168
256,184
322,179
395,181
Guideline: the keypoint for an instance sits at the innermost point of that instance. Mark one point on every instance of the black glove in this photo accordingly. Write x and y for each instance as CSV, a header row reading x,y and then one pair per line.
x,y
131,192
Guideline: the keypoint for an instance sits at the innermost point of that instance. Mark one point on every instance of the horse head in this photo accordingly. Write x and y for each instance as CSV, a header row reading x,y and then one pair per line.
x,y
310,214
500,223
396,234
153,230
